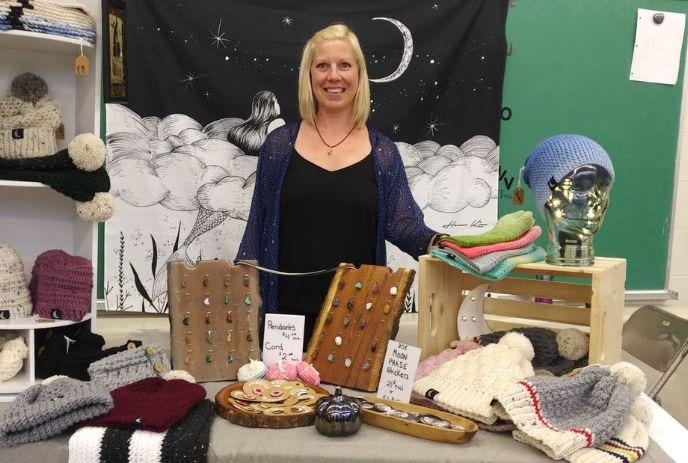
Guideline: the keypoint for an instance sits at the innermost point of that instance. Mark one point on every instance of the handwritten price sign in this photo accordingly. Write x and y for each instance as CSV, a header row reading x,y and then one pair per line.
x,y
282,338
398,372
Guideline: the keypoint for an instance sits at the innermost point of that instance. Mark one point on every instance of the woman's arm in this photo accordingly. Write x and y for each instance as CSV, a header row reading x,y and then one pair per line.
x,y
250,243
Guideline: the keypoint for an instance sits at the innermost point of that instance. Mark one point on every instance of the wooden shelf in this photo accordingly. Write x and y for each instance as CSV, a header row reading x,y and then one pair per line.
x,y
31,323
20,184
46,43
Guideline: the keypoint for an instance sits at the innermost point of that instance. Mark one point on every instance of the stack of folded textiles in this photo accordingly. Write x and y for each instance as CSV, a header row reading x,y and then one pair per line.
x,y
5,24
67,20
492,255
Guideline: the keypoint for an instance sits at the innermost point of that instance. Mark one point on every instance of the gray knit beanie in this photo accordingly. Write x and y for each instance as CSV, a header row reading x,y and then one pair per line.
x,y
544,343
46,410
562,415
129,366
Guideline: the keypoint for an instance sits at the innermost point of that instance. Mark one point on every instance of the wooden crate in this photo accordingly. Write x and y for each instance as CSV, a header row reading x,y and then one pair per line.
x,y
441,290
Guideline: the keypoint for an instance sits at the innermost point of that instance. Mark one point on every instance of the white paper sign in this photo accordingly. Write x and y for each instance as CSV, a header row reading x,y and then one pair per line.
x,y
282,338
398,371
657,51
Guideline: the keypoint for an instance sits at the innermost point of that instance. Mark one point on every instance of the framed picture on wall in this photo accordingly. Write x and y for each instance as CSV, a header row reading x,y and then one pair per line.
x,y
114,58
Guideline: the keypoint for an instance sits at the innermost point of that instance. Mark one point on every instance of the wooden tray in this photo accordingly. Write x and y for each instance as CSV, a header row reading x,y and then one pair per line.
x,y
424,431
250,420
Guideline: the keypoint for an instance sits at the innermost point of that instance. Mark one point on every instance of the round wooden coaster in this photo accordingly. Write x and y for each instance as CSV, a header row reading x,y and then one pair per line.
x,y
231,413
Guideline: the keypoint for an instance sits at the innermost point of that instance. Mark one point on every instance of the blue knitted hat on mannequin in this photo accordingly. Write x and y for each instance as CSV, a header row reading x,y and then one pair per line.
x,y
557,156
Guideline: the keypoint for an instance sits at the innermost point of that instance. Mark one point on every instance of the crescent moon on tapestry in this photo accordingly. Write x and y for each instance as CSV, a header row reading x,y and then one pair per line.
x,y
406,56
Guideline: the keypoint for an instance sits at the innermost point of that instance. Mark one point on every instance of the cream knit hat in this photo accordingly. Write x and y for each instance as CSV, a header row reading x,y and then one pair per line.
x,y
12,355
468,384
14,293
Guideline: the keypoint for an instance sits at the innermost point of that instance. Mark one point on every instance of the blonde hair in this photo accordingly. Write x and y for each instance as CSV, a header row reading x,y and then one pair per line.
x,y
307,101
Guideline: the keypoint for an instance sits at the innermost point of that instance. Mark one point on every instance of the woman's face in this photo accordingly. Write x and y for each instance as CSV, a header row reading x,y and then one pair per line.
x,y
334,75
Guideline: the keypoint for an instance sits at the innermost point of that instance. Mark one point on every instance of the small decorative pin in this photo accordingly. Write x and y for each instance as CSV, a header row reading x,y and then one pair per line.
x,y
369,305
247,300
209,356
358,285
246,280
350,303
386,309
185,320
346,321
347,362
393,290
229,316
205,280
335,302
330,357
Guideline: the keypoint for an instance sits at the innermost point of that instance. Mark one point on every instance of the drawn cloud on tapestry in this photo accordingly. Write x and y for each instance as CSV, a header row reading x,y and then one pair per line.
x,y
184,192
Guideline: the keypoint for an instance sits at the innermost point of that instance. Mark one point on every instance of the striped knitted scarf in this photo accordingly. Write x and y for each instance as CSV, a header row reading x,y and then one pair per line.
x,y
187,442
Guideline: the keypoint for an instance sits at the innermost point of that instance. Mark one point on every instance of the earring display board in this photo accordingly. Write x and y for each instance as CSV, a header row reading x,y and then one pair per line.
x,y
361,311
214,318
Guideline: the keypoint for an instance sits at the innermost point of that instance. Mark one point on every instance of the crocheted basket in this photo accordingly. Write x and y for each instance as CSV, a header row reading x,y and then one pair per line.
x,y
14,295
61,285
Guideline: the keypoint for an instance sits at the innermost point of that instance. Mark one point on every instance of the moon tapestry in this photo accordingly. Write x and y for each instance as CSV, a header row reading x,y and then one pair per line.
x,y
210,79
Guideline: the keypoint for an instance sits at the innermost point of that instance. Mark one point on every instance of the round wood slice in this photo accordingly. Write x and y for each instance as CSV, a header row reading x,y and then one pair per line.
x,y
252,420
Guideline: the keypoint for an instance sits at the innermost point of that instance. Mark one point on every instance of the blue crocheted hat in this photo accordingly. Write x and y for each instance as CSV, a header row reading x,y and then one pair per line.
x,y
557,156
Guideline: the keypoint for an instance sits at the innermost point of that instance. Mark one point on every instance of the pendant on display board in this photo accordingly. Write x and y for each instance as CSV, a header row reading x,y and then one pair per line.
x,y
335,302
470,321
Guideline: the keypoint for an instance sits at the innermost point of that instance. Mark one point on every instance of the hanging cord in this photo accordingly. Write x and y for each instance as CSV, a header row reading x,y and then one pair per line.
x,y
277,272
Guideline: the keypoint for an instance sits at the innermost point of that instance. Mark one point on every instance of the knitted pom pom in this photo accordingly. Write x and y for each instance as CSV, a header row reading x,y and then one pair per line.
x,y
519,342
630,375
308,373
12,358
572,344
87,152
179,374
641,411
29,87
255,369
99,209
282,369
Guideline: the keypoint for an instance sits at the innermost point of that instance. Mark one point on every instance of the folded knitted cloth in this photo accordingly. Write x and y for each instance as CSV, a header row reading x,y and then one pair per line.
x,y
429,365
129,366
153,404
467,385
45,410
187,442
473,253
628,444
501,271
562,415
508,228
484,264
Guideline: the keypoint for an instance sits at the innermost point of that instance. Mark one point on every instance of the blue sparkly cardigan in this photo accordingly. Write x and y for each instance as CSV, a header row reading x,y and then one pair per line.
x,y
399,219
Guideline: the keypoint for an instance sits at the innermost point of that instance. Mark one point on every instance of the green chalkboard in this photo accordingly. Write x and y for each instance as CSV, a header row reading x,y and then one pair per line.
x,y
568,72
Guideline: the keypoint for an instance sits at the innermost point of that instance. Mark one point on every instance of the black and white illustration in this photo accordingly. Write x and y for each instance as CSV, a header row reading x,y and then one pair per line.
x,y
206,93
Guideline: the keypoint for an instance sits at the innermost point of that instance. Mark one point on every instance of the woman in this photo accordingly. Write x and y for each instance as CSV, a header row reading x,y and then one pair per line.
x,y
328,189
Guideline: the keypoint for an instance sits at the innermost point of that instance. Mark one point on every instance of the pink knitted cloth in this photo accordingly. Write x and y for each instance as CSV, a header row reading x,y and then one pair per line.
x,y
61,281
428,365
477,251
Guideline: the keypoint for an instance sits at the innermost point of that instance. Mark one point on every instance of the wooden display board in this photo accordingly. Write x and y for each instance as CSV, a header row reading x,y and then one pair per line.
x,y
214,318
596,305
359,314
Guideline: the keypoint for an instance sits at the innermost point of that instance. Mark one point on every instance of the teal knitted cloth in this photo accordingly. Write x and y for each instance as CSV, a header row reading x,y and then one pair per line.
x,y
508,228
500,271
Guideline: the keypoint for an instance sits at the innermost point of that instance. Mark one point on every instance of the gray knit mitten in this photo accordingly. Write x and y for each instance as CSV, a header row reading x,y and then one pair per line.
x,y
129,366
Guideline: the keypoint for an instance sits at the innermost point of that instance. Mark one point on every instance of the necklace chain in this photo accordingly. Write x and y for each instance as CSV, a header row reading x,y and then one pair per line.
x,y
331,147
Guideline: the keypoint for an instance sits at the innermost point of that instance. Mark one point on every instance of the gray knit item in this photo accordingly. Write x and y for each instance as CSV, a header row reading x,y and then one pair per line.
x,y
129,366
544,343
46,410
29,87
562,415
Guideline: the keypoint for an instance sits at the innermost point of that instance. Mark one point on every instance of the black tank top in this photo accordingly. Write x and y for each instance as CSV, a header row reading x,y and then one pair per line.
x,y
325,218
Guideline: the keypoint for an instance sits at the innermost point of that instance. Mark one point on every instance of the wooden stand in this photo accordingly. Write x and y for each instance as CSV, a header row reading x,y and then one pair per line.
x,y
442,289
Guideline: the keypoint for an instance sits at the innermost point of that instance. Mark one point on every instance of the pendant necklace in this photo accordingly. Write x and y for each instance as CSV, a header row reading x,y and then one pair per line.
x,y
331,147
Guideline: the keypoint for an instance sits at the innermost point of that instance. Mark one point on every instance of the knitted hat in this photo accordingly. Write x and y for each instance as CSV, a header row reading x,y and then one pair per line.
x,y
555,158
61,285
431,363
45,410
77,172
70,354
543,340
152,403
562,415
130,366
188,441
627,445
15,300
468,384
12,355
28,119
